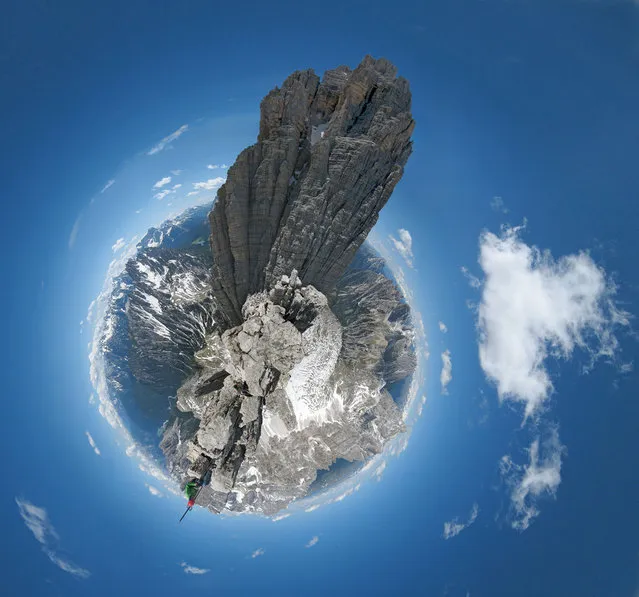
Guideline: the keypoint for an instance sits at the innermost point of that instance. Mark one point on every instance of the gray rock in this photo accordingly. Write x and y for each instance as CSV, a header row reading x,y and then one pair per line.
x,y
306,195
289,405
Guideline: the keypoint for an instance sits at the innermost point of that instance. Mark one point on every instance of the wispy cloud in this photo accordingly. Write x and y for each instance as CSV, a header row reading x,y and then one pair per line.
x,y
472,280
379,471
154,490
176,172
162,194
37,521
175,187
446,376
497,204
108,185
442,327
168,139
188,569
217,166
119,244
191,193
209,185
92,443
257,553
454,527
312,542
162,182
542,475
533,307
404,245
74,231
280,517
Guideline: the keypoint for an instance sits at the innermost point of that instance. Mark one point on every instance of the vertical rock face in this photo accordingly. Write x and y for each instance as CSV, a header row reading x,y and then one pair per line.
x,y
307,194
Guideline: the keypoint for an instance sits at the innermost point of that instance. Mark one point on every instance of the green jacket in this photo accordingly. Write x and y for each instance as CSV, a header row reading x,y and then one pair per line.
x,y
191,489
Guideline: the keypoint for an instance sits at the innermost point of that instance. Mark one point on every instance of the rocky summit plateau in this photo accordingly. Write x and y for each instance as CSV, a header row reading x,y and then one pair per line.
x,y
288,342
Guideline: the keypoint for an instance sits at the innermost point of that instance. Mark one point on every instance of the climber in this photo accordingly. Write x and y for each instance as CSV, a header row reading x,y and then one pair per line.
x,y
192,489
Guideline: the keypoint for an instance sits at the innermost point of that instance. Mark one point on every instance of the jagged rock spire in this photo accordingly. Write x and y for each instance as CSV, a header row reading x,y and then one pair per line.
x,y
306,195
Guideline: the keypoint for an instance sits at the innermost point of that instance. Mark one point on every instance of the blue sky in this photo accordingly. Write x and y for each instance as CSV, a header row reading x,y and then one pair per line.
x,y
532,102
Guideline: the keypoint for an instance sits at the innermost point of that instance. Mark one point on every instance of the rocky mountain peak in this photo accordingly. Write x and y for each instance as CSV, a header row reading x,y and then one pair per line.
x,y
304,197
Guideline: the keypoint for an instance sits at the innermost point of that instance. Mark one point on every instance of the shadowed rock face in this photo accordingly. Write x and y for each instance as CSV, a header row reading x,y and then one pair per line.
x,y
307,194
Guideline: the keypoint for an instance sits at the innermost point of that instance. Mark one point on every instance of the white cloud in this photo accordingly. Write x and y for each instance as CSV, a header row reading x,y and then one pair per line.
x,y
175,187
191,193
108,185
312,508
168,139
497,204
540,476
74,231
176,172
442,327
446,375
162,194
344,495
379,471
404,245
312,542
193,570
217,166
92,442
280,517
67,566
454,527
37,521
119,244
162,182
626,368
533,307
154,490
257,553
472,280
209,185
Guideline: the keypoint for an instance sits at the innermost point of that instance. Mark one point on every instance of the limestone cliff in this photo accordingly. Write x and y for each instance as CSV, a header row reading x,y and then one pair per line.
x,y
305,196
